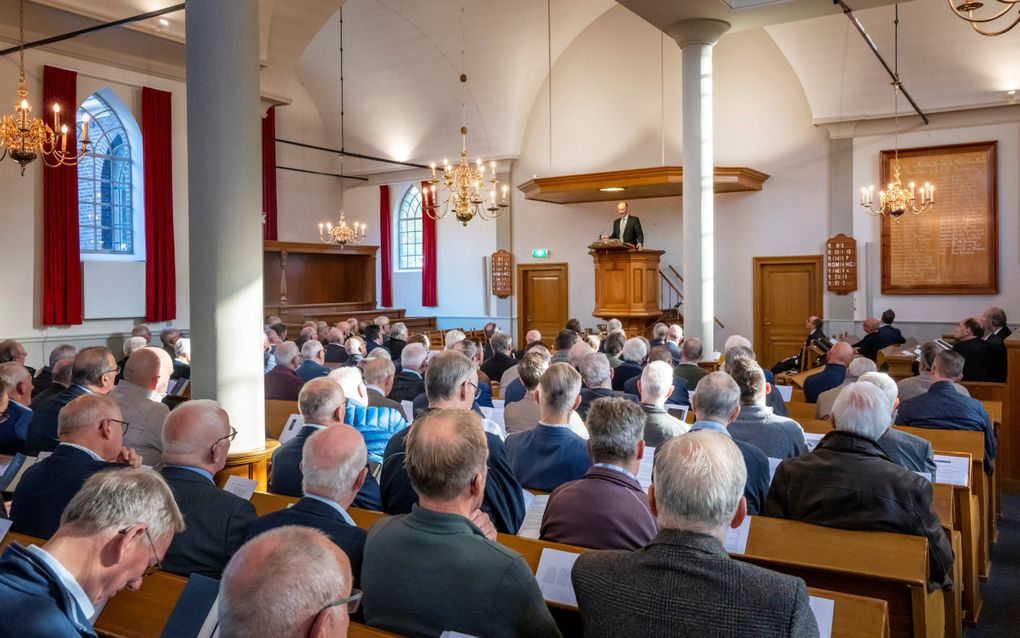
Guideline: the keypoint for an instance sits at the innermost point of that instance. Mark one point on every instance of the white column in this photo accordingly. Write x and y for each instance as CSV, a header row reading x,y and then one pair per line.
x,y
225,223
696,38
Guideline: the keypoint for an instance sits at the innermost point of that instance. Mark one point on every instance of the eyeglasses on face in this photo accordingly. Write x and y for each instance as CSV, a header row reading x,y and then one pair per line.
x,y
123,424
353,602
230,437
151,568
478,391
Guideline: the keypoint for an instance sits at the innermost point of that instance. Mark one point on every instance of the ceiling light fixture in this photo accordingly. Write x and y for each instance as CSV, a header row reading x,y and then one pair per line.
x,y
897,199
965,11
612,189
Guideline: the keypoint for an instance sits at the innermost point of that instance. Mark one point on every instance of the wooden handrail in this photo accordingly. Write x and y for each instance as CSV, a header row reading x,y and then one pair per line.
x,y
678,275
679,294
670,284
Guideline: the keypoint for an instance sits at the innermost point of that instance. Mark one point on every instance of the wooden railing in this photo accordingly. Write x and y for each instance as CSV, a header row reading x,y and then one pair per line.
x,y
670,295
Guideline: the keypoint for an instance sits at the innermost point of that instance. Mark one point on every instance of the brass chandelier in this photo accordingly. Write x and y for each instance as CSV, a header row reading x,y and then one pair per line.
x,y
468,192
341,234
965,11
898,199
25,138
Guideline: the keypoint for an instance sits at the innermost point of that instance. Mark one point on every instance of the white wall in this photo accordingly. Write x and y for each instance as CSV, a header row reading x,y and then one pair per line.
x,y
21,212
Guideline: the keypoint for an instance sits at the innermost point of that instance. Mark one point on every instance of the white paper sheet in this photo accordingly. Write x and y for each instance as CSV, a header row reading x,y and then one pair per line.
x,y
532,525
408,410
736,538
785,391
823,609
455,634
812,440
553,576
499,404
242,487
294,424
773,464
5,525
952,470
644,473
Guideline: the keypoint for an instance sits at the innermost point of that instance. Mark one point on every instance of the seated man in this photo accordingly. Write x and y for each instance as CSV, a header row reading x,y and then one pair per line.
x,y
524,415
778,437
597,375
450,383
409,382
355,348
13,350
61,380
513,390
914,386
660,337
943,408
169,337
140,398
482,588
612,346
633,355
848,482
373,338
333,464
94,372
313,355
550,454
530,337
877,337
996,330
501,359
857,367
839,358
335,352
397,340
378,375
717,403
131,345
16,416
375,423
91,435
903,448
44,378
691,352
622,519
985,360
683,579
196,440
473,351
680,394
283,382
655,385
269,589
565,340
322,405
113,533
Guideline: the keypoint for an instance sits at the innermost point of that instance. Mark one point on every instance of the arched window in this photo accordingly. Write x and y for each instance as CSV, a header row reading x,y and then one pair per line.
x,y
409,231
106,203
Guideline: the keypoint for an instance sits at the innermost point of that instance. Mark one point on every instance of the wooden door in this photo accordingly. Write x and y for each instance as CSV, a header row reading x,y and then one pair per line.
x,y
541,300
787,290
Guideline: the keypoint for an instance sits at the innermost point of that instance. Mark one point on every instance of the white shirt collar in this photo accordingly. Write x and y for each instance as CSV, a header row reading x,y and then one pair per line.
x,y
95,457
334,505
67,580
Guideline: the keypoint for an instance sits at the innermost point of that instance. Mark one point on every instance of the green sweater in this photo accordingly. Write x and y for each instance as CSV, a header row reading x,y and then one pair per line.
x,y
427,572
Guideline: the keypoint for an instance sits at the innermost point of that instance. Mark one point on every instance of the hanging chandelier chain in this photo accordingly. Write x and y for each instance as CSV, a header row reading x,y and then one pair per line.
x,y
343,141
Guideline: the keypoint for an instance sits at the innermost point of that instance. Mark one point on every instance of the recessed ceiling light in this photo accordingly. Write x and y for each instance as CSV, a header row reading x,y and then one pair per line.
x,y
612,189
163,22
1011,96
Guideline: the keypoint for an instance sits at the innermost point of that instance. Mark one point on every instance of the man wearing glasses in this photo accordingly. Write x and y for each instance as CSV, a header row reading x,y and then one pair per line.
x,y
91,432
113,533
269,589
94,372
196,440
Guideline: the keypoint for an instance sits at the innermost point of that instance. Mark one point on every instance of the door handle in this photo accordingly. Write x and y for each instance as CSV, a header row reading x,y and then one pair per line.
x,y
767,322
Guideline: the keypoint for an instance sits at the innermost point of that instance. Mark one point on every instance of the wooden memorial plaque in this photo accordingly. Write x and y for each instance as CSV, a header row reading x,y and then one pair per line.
x,y
841,264
954,248
502,274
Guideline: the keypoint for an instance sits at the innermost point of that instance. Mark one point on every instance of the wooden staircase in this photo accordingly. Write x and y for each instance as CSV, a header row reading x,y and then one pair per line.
x,y
671,297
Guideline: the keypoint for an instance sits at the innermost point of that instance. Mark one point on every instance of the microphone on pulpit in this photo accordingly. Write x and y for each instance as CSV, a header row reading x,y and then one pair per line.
x,y
605,228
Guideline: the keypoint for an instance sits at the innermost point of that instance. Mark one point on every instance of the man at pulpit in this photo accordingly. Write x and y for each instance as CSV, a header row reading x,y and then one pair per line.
x,y
628,227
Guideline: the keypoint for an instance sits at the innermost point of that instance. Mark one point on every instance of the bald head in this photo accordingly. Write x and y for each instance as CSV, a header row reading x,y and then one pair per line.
x,y
149,368
841,353
333,464
193,434
532,336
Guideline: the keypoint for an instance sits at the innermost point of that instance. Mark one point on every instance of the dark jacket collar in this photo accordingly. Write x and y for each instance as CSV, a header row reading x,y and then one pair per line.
x,y
943,387
675,538
602,392
318,508
612,476
182,474
850,443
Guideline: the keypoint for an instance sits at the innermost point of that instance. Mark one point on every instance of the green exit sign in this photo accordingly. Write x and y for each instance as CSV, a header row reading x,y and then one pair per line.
x,y
540,253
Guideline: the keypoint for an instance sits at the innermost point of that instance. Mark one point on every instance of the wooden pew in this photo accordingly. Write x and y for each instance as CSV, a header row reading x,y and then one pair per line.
x,y
800,411
277,413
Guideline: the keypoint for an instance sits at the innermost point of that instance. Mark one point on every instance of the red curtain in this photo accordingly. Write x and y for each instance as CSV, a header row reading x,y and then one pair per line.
x,y
386,245
157,154
62,287
429,291
269,174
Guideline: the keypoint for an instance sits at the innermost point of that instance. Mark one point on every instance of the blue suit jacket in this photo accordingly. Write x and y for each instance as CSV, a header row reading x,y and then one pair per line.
x,y
34,601
504,500
285,476
756,489
545,457
625,371
943,408
309,512
590,395
48,486
376,424
513,392
311,370
216,524
14,429
827,379
42,431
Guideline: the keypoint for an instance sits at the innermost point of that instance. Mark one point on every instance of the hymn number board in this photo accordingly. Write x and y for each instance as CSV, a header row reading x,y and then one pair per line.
x,y
841,264
502,274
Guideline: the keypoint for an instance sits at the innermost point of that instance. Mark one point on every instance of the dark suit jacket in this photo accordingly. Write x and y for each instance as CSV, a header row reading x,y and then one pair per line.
x,y
503,501
909,451
309,370
622,519
983,360
396,346
42,431
590,395
44,380
757,486
216,524
545,457
943,408
48,486
14,422
890,335
497,365
632,234
335,353
623,372
283,384
827,379
309,512
406,386
285,474
995,339
685,584
53,390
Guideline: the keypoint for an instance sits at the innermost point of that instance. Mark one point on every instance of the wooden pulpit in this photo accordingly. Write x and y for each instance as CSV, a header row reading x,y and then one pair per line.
x,y
626,284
